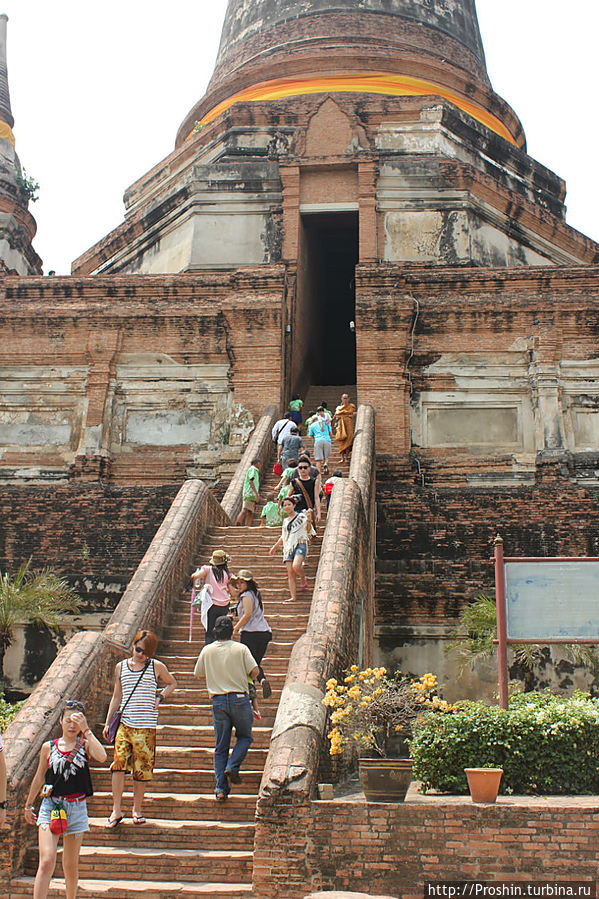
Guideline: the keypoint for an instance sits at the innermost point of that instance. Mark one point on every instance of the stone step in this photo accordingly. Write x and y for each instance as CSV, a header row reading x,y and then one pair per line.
x,y
287,633
187,681
22,888
167,833
180,655
180,616
116,863
201,756
196,780
190,720
277,648
181,729
187,805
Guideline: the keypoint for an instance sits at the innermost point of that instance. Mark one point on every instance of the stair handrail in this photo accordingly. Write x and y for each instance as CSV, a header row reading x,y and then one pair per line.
x,y
340,631
259,447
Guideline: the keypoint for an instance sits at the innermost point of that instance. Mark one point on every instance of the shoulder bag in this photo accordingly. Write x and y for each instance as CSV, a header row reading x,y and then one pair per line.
x,y
310,512
116,718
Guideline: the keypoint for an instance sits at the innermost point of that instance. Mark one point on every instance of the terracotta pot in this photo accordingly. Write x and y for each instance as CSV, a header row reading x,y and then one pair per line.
x,y
484,783
385,780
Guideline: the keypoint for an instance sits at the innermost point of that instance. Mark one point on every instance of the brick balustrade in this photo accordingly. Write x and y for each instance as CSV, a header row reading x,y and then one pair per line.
x,y
341,603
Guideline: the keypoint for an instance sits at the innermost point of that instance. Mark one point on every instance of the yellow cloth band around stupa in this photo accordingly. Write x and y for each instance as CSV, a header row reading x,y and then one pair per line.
x,y
6,133
372,83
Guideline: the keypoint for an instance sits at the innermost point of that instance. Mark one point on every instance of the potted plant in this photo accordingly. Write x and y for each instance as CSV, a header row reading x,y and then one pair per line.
x,y
483,783
375,712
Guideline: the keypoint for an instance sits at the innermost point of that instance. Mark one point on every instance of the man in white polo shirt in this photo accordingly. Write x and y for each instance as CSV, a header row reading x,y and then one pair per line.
x,y
282,428
226,665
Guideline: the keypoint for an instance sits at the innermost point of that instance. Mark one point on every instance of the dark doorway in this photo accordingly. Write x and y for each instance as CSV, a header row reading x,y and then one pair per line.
x,y
328,295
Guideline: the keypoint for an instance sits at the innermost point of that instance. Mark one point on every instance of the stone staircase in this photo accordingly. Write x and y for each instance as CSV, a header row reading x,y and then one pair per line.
x,y
191,845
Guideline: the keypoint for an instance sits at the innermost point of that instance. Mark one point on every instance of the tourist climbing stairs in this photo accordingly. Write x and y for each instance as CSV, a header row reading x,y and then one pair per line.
x,y
191,845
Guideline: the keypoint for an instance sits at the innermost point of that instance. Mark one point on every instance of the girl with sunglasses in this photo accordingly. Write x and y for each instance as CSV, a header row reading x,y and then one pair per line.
x,y
137,696
63,772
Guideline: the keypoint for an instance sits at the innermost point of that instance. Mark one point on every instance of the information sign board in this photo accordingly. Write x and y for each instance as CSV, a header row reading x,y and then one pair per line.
x,y
552,600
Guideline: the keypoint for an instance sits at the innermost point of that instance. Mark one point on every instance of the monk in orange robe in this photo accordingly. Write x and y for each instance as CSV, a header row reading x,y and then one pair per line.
x,y
344,420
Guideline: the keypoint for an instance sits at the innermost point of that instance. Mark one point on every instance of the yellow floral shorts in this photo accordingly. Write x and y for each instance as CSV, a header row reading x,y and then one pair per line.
x,y
135,749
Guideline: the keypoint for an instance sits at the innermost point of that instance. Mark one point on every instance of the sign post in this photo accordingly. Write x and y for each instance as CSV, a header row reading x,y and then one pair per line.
x,y
501,622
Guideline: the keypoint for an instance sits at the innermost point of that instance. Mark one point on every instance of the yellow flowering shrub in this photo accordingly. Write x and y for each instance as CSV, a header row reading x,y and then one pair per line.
x,y
369,706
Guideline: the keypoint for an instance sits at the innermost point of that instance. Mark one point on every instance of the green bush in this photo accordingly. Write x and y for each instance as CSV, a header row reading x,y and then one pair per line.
x,y
8,710
544,743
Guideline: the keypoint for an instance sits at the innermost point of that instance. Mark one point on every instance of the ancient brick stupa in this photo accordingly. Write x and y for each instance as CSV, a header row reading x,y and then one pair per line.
x,y
17,225
372,118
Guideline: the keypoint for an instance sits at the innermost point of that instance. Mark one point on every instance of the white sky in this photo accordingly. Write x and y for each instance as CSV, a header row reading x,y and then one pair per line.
x,y
98,91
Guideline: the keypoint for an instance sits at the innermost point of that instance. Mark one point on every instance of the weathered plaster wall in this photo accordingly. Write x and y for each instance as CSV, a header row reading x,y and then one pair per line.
x,y
136,380
493,363
431,184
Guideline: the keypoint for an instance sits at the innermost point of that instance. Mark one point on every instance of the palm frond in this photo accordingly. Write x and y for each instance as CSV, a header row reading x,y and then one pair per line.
x,y
473,637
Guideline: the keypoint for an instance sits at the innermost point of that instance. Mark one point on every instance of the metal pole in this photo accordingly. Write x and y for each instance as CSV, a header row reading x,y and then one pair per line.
x,y
501,621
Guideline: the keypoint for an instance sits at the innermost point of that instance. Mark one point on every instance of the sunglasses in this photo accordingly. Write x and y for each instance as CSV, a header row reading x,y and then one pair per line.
x,y
303,467
140,651
74,704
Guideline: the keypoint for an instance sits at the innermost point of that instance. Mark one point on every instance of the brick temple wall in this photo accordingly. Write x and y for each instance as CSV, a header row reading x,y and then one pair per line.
x,y
488,362
136,380
435,545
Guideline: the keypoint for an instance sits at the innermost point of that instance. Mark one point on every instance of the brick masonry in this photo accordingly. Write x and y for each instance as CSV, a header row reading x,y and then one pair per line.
x,y
91,533
435,544
88,381
397,848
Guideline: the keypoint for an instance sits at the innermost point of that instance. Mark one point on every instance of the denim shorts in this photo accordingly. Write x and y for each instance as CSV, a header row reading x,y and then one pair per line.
x,y
77,820
300,550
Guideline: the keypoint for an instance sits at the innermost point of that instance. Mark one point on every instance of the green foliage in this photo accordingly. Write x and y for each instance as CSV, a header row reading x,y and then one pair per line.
x,y
36,596
28,186
544,743
8,710
473,637
224,435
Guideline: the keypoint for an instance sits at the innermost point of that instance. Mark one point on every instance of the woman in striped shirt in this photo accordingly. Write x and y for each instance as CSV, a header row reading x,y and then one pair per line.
x,y
137,696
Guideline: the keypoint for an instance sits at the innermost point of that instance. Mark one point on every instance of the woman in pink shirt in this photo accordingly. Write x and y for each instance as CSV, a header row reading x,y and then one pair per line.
x,y
216,575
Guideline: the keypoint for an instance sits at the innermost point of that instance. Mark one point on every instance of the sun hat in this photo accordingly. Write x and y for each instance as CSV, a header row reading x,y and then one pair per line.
x,y
219,557
244,574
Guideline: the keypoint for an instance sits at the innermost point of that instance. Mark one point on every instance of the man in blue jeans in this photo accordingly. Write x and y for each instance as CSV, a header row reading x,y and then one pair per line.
x,y
226,665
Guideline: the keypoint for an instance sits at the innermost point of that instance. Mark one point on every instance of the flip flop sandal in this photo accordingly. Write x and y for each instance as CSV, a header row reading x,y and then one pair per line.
x,y
288,600
139,819
113,822
221,797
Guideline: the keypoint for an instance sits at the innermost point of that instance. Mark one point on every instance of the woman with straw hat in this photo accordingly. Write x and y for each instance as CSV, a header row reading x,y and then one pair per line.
x,y
215,575
252,625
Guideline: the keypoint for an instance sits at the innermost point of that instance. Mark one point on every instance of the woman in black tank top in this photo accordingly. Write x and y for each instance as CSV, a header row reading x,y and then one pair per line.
x,y
63,770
